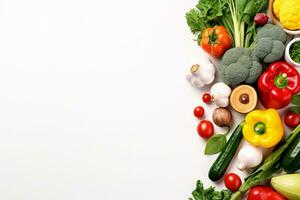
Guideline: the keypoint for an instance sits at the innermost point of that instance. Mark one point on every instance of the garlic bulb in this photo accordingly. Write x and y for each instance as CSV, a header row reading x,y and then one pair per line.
x,y
249,156
203,74
220,93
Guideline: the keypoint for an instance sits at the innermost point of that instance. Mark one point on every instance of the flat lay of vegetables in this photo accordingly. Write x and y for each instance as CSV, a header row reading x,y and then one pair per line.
x,y
249,68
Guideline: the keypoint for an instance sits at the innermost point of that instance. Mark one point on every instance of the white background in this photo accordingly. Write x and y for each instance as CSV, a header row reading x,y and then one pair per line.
x,y
94,103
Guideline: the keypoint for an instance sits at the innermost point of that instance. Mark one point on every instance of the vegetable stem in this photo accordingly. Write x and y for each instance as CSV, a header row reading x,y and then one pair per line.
x,y
236,196
242,33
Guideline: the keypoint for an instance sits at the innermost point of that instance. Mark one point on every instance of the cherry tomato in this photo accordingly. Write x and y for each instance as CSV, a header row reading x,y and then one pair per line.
x,y
205,129
232,182
199,111
292,119
206,98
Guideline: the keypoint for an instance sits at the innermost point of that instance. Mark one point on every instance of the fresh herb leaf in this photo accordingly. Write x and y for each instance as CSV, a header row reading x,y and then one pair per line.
x,y
295,52
194,20
209,194
248,12
261,5
296,100
215,144
295,109
240,5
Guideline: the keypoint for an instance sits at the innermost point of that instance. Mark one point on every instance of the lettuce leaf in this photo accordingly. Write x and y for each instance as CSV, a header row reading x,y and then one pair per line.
x,y
209,194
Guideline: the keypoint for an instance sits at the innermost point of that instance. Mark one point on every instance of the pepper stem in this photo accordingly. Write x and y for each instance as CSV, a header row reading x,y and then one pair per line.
x,y
281,81
259,128
213,38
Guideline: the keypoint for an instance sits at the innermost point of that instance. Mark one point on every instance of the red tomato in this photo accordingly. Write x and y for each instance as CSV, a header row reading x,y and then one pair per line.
x,y
205,129
292,119
206,98
199,111
264,193
232,182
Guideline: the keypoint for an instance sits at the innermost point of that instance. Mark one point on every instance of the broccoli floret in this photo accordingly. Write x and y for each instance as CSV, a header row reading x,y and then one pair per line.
x,y
276,53
263,47
272,31
254,72
234,55
238,66
269,46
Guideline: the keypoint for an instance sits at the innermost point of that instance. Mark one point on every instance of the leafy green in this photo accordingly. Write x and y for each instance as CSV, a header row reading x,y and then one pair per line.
x,y
267,168
296,103
195,21
211,10
209,194
295,109
295,52
296,100
215,144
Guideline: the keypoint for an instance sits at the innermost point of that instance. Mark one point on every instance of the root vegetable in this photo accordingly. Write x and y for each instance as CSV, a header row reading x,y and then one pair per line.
x,y
261,19
222,117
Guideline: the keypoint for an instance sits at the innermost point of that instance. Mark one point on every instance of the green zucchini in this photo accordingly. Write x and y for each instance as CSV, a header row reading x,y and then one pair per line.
x,y
219,167
291,157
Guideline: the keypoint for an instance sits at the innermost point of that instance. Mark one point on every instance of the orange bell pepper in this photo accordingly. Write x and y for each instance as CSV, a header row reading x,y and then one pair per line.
x,y
215,41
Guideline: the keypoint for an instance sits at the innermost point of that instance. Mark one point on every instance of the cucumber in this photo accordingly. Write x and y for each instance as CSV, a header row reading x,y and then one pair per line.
x,y
219,167
291,157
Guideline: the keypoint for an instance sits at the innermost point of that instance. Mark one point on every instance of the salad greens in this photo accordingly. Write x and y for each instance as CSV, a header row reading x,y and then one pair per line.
x,y
267,168
209,194
295,52
235,15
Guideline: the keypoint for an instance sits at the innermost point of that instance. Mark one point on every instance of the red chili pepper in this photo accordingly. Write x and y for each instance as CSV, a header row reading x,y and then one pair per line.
x,y
278,84
264,193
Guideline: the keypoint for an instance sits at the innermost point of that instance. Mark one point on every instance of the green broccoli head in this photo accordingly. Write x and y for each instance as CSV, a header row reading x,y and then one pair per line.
x,y
269,45
239,66
272,31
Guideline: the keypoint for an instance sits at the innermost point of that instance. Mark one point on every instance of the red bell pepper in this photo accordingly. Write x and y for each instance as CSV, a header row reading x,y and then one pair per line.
x,y
264,193
278,84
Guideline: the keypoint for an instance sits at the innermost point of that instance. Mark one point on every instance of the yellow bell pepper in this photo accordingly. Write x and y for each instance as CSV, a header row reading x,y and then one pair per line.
x,y
263,128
